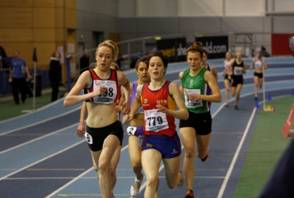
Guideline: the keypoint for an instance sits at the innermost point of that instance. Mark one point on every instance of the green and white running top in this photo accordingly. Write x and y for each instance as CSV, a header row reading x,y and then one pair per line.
x,y
195,84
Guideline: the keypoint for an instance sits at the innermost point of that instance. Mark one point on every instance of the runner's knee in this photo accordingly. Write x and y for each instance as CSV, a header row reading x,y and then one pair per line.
x,y
104,165
152,181
189,152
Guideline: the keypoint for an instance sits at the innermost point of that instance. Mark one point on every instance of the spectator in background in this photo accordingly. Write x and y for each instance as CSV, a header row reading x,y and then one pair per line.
x,y
3,59
248,52
263,52
18,75
84,62
54,75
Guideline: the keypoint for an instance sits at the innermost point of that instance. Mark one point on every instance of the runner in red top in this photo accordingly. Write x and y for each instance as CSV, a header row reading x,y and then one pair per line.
x,y
158,123
159,100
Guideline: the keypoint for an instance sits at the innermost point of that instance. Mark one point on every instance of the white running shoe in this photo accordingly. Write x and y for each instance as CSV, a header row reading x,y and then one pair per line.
x,y
135,187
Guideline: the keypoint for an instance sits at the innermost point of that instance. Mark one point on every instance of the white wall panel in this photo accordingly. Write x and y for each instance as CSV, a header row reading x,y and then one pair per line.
x,y
190,8
244,7
284,5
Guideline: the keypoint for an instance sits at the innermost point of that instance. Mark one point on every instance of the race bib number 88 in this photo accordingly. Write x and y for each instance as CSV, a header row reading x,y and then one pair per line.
x,y
107,97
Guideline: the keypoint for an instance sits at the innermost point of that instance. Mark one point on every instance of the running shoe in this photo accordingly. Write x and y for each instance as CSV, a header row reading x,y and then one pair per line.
x,y
135,187
189,194
204,158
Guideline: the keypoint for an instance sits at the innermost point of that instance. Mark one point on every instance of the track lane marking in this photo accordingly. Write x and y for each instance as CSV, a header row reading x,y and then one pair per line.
x,y
36,139
41,160
39,122
236,155
76,178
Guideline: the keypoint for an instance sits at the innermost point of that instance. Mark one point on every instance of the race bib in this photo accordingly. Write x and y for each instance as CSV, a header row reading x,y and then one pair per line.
x,y
88,138
192,103
238,70
155,121
109,96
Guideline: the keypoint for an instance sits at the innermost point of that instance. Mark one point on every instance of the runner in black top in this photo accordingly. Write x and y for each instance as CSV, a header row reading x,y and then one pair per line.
x,y
239,69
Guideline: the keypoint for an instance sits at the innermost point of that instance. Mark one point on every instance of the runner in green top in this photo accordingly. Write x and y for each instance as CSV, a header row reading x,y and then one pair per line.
x,y
197,128
195,84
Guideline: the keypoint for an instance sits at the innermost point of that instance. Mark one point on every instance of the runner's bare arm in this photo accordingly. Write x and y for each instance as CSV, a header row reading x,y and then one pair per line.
x,y
83,115
216,94
74,96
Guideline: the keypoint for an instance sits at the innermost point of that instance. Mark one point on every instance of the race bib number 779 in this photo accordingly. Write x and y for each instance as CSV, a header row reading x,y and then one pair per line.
x,y
155,121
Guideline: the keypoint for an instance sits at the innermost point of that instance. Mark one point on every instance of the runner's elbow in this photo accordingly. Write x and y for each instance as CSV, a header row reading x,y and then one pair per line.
x,y
218,98
67,102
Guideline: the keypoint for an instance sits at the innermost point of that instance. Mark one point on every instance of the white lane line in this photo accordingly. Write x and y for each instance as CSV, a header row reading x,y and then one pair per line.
x,y
36,139
41,160
234,160
76,178
218,110
40,122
